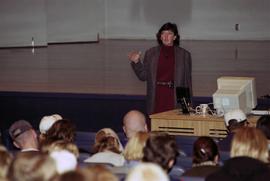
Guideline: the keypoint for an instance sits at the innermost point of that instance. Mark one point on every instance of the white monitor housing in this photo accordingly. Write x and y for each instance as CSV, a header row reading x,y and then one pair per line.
x,y
235,93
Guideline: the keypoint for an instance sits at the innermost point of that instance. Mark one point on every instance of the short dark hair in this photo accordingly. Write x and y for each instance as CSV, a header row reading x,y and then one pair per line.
x,y
160,148
235,124
263,124
204,149
172,27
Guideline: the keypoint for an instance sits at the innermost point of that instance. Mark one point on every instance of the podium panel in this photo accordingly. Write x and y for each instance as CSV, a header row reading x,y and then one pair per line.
x,y
176,123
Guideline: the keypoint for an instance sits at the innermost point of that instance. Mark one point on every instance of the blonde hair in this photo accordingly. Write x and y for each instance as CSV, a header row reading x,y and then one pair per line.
x,y
5,161
107,139
251,142
76,175
135,145
147,172
32,167
61,145
101,173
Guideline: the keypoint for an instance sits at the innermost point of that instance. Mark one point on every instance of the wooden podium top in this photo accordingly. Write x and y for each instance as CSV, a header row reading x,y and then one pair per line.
x,y
174,122
176,114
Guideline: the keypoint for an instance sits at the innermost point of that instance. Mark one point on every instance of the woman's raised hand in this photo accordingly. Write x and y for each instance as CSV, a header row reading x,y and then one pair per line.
x,y
134,56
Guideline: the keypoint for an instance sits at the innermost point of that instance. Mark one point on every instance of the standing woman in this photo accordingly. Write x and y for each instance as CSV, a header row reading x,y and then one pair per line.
x,y
164,67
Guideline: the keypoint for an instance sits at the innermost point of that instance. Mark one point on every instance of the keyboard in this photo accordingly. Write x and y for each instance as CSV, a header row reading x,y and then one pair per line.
x,y
260,112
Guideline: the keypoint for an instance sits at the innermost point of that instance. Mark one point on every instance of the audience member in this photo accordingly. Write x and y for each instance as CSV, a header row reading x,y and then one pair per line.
x,y
93,173
205,157
26,167
61,145
45,124
61,130
107,148
234,120
133,122
250,142
161,148
5,161
147,172
101,173
249,158
263,124
76,175
133,152
24,136
110,132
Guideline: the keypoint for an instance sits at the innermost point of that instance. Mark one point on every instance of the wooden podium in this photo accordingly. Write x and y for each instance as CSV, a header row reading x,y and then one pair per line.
x,y
176,123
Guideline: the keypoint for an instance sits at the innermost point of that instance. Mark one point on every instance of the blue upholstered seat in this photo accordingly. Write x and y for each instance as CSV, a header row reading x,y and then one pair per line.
x,y
85,141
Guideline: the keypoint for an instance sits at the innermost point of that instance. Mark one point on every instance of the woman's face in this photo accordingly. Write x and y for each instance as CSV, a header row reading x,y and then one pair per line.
x,y
167,37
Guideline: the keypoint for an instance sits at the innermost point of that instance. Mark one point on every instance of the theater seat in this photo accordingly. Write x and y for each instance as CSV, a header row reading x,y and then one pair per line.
x,y
224,155
184,162
185,143
7,141
84,141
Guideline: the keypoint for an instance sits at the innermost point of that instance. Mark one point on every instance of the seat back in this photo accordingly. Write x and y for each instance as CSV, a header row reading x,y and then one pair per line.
x,y
85,140
185,143
184,162
7,141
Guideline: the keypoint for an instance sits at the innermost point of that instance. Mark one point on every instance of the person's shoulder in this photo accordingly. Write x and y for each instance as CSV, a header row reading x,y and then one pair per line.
x,y
201,171
181,49
153,49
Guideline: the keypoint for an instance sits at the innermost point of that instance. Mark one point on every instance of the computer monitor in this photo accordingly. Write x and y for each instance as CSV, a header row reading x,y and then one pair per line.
x,y
235,93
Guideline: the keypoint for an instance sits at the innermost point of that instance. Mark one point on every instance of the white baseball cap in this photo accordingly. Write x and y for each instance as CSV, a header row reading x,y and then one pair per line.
x,y
236,114
47,121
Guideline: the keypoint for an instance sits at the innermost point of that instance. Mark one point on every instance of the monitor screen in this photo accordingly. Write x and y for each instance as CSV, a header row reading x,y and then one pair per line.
x,y
235,93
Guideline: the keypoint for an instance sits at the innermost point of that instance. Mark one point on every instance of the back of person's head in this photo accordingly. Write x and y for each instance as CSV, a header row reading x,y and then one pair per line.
x,y
107,139
101,173
134,148
169,27
5,161
45,124
26,167
147,172
205,149
61,145
161,148
47,121
23,135
251,142
107,143
62,129
18,128
263,124
235,119
76,175
133,122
